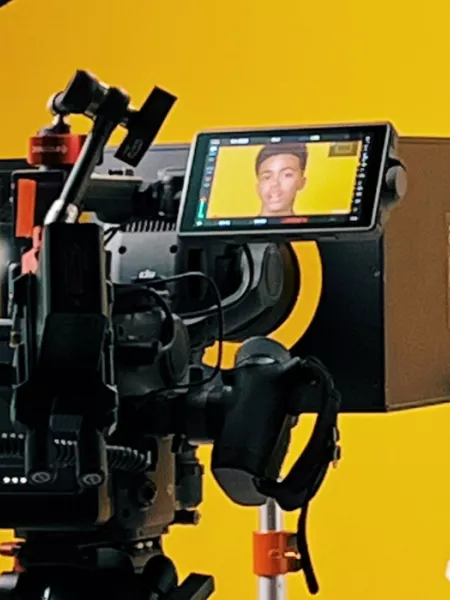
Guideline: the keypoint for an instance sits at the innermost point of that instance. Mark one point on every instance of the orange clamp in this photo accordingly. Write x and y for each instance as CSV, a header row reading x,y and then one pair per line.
x,y
30,261
11,550
275,553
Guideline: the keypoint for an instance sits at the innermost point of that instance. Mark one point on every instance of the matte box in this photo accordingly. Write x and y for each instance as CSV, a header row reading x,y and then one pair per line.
x,y
382,327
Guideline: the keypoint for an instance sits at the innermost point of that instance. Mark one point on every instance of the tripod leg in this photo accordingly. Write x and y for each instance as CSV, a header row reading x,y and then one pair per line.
x,y
159,578
195,587
8,585
19,586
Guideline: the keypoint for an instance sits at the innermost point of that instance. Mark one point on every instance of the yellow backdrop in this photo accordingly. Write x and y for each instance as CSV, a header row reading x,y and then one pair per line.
x,y
380,528
329,185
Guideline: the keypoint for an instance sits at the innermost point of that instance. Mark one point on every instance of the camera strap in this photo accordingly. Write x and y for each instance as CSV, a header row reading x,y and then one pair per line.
x,y
303,481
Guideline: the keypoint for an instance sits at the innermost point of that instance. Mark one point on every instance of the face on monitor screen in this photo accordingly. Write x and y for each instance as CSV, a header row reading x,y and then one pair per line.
x,y
284,180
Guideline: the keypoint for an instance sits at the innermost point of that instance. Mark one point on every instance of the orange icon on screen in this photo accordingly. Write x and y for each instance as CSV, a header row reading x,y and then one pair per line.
x,y
295,220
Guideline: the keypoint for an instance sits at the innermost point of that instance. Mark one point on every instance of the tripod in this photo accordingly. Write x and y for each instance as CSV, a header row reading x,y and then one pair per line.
x,y
72,573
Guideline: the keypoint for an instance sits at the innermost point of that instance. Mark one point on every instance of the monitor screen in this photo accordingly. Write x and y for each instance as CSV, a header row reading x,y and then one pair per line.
x,y
284,180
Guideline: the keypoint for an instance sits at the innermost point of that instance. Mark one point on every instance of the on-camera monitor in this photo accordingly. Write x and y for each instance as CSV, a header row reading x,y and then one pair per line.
x,y
286,180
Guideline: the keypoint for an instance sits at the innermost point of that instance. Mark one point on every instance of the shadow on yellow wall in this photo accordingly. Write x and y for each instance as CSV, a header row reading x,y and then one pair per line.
x,y
380,528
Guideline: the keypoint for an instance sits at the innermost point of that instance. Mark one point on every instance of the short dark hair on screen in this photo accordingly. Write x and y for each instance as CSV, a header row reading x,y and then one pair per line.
x,y
298,149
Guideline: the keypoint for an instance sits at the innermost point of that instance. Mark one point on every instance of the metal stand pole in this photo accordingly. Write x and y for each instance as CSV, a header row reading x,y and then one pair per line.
x,y
271,519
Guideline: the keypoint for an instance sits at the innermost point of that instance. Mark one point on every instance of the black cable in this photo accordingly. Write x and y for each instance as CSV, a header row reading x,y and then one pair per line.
x,y
163,306
220,328
212,309
166,310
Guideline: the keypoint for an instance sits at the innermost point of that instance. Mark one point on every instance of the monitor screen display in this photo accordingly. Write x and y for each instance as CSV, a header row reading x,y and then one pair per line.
x,y
327,178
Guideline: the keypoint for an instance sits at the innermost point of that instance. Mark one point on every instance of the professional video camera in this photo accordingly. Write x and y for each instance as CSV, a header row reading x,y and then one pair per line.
x,y
108,396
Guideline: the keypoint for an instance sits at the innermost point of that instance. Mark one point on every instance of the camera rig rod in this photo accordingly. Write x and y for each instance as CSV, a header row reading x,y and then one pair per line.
x,y
274,553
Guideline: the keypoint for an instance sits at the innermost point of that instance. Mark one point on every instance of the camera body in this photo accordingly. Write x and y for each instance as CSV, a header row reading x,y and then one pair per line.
x,y
126,505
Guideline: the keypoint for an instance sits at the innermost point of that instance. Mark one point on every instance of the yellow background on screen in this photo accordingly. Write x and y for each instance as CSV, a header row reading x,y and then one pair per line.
x,y
380,527
329,185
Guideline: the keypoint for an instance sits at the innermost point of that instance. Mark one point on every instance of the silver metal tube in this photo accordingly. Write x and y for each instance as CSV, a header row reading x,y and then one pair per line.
x,y
271,519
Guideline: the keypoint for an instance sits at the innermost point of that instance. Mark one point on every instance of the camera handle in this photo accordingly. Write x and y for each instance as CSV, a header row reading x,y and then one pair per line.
x,y
270,390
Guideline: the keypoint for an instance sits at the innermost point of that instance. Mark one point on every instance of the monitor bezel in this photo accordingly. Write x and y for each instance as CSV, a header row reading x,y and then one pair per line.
x,y
383,134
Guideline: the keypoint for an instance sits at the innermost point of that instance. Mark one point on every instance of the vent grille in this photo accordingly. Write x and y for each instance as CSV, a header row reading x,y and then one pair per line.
x,y
149,225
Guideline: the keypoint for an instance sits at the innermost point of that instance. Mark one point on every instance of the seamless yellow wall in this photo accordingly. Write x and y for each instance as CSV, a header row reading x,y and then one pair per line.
x,y
380,529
